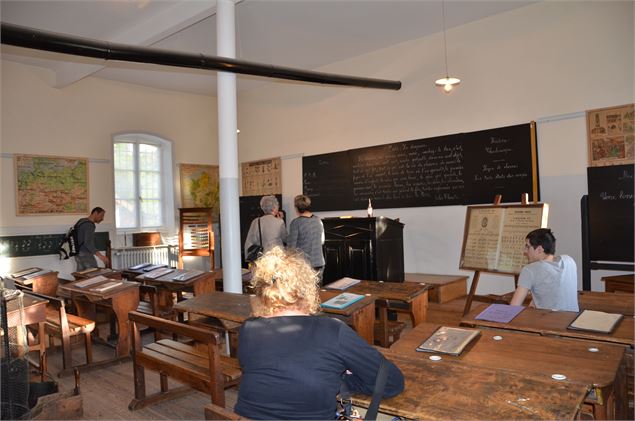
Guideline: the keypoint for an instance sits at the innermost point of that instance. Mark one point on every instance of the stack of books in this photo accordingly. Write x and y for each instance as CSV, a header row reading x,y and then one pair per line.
x,y
596,321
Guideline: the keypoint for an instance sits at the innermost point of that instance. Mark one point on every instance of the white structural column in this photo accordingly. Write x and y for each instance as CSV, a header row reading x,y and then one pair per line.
x,y
228,150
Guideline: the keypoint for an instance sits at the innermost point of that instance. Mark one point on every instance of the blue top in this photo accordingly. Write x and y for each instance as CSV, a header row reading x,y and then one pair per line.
x,y
293,365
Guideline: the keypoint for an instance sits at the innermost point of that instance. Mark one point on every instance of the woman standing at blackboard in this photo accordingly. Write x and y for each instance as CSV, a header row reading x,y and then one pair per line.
x,y
269,230
306,233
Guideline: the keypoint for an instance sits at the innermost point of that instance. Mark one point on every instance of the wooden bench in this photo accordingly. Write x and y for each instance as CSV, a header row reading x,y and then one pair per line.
x,y
62,325
200,367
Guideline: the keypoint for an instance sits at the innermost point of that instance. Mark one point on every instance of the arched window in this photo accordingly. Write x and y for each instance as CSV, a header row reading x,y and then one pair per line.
x,y
144,195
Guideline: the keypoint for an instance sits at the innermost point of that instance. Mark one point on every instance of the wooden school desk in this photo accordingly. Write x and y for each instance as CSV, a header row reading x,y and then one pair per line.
x,y
237,308
554,323
409,297
609,302
44,284
34,314
122,299
540,357
444,288
451,390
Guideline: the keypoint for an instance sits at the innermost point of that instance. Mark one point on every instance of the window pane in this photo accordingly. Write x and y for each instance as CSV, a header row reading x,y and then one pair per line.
x,y
124,156
125,213
150,184
124,185
149,157
150,213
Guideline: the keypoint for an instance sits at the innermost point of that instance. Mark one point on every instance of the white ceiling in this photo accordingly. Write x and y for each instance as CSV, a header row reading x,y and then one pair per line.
x,y
305,34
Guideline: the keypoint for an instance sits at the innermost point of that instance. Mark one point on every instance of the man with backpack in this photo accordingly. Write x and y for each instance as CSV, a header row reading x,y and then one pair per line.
x,y
85,236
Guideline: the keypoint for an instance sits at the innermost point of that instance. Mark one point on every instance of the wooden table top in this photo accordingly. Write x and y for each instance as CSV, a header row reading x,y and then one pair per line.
x,y
609,302
33,310
539,356
91,294
238,307
400,291
429,278
554,323
445,390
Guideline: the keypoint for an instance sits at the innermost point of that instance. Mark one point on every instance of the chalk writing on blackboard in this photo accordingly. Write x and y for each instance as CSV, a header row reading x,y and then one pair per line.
x,y
456,169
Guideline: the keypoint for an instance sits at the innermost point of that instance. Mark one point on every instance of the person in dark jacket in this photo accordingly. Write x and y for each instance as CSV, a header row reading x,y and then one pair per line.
x,y
293,361
87,253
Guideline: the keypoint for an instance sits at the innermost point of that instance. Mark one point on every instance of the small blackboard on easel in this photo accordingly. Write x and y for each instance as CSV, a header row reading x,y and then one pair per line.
x,y
494,238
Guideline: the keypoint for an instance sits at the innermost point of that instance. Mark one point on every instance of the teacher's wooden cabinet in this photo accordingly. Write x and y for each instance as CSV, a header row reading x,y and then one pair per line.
x,y
363,248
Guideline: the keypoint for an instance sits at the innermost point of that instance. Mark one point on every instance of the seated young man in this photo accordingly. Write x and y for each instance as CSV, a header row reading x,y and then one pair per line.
x,y
552,280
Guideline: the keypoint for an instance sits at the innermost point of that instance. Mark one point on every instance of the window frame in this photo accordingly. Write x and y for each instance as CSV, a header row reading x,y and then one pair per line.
x,y
166,169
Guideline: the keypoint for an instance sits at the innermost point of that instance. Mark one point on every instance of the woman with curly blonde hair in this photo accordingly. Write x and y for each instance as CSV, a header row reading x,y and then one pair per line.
x,y
293,361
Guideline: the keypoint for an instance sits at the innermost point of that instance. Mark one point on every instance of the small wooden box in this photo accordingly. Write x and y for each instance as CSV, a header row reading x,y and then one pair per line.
x,y
144,239
445,288
619,283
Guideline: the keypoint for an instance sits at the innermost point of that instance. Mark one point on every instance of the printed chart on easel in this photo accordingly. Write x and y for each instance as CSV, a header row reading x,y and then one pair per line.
x,y
494,239
495,236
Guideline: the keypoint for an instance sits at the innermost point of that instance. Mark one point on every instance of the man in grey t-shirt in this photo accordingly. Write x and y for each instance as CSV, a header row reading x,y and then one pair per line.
x,y
552,280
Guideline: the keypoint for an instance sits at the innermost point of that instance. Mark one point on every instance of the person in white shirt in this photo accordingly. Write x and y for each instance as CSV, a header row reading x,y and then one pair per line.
x,y
552,280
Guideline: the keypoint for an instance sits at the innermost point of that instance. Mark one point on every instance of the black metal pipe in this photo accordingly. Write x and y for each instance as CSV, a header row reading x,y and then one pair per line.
x,y
22,36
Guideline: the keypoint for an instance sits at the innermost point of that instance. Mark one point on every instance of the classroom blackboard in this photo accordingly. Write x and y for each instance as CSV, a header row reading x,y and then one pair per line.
x,y
41,244
458,169
249,210
611,208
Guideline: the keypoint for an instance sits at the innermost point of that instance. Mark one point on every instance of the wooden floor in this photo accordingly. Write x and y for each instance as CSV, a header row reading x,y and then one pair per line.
x,y
107,391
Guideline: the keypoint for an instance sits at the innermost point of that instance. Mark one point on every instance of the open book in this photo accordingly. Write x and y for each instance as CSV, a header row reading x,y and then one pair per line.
x,y
342,300
342,284
596,321
448,340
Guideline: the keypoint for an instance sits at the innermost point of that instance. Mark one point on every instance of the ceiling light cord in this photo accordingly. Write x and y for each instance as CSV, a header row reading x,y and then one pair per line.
x,y
446,82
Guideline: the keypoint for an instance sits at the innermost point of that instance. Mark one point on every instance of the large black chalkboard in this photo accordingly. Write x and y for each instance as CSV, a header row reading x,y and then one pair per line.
x,y
611,208
458,169
41,244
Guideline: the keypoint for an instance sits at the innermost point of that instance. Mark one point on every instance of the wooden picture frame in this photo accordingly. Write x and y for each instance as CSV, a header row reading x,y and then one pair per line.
x,y
610,134
494,236
51,185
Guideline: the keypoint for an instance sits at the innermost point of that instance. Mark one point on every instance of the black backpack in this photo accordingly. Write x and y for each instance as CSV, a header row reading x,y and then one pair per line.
x,y
70,244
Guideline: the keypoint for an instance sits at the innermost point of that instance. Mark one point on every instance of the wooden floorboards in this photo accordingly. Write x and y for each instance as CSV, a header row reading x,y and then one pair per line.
x,y
107,391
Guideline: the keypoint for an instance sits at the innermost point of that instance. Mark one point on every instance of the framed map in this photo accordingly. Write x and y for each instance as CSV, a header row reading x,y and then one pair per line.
x,y
51,185
610,135
200,187
262,177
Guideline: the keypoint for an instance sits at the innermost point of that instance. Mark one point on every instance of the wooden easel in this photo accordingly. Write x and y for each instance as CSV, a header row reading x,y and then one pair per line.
x,y
524,200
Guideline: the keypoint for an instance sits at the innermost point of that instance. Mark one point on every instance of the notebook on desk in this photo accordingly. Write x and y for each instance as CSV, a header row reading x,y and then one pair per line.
x,y
342,300
501,313
342,284
448,340
596,321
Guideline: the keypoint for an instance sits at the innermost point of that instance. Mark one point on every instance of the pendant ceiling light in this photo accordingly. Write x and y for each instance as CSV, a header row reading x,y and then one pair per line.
x,y
446,82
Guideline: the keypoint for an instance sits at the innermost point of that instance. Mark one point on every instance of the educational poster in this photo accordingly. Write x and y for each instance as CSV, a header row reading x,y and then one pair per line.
x,y
610,135
262,177
494,238
482,243
200,187
51,185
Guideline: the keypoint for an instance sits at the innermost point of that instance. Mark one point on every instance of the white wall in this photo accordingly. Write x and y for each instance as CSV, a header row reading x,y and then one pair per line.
x,y
80,121
533,63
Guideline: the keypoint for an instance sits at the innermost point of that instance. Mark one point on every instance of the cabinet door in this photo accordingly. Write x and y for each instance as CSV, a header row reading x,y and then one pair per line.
x,y
335,261
359,259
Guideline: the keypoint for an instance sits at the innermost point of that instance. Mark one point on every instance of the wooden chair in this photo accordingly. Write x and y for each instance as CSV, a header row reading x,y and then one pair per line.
x,y
215,412
200,367
62,325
